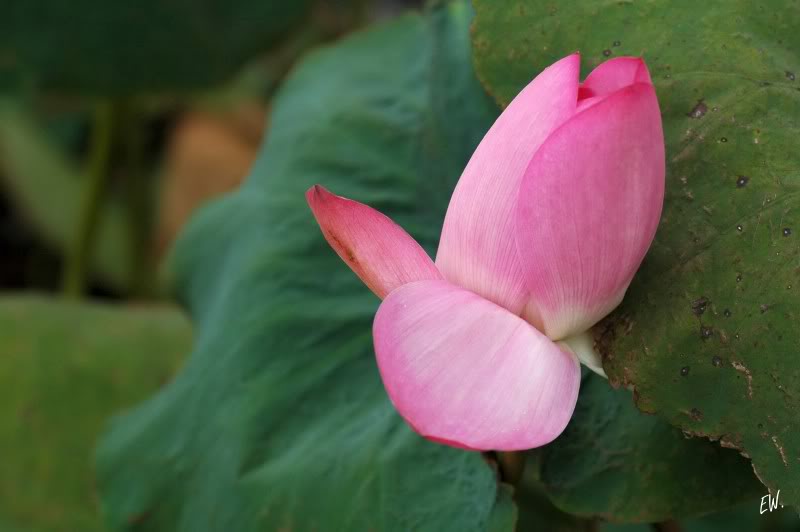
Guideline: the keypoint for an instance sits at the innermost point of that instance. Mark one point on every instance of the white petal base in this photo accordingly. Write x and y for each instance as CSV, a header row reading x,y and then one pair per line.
x,y
582,346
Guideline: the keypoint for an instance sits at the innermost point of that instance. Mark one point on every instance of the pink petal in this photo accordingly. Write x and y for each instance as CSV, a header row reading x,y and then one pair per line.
x,y
466,372
609,77
376,249
585,103
477,249
588,210
614,75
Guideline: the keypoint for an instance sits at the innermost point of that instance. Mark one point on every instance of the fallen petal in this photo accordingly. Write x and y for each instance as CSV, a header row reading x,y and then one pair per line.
x,y
466,372
378,250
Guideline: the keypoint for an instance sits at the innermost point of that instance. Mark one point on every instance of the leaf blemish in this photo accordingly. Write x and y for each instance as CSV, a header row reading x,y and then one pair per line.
x,y
699,305
779,447
741,368
699,110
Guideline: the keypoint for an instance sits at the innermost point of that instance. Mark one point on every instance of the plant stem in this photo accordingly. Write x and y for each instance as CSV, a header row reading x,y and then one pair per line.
x,y
667,526
79,252
139,200
512,465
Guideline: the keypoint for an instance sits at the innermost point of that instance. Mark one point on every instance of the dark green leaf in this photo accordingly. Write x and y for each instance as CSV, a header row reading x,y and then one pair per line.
x,y
619,464
280,420
748,517
537,512
744,517
131,46
718,293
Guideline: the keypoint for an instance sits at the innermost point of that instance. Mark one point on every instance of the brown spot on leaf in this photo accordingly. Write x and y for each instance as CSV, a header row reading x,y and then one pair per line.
x,y
699,110
738,366
699,305
779,447
694,413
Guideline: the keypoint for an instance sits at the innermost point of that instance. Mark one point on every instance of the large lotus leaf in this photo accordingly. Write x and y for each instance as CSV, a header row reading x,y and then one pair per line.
x,y
65,368
129,46
745,517
537,512
707,334
618,464
280,420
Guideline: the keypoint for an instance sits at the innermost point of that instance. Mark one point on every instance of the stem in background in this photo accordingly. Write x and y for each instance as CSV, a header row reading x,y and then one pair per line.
x,y
512,465
667,526
362,9
82,246
139,200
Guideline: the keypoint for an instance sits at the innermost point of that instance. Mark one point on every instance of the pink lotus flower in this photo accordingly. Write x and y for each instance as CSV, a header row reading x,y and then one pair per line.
x,y
545,230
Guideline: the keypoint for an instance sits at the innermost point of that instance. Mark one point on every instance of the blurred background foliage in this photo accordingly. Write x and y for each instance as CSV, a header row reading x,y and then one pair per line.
x,y
119,121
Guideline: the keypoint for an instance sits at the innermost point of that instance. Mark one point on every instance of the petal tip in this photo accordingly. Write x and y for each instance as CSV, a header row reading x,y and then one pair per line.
x,y
572,62
574,56
316,194
617,73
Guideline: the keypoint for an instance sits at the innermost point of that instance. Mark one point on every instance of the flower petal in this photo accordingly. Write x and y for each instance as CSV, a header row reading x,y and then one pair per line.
x,y
615,74
466,372
376,249
609,77
476,249
588,210
582,345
